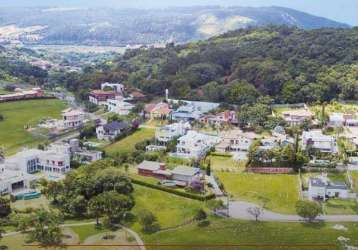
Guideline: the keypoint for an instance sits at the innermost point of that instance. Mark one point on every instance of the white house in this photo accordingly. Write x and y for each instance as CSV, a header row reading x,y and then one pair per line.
x,y
111,130
321,188
235,140
336,120
119,106
297,116
195,145
72,118
184,174
169,132
317,140
117,87
54,160
12,180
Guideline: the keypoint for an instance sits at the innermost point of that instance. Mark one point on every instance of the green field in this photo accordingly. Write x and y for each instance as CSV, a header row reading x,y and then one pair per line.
x,y
267,234
354,175
278,193
127,144
171,210
13,134
340,206
225,163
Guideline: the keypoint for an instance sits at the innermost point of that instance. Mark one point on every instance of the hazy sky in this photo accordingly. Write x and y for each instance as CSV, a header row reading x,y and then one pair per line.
x,y
339,10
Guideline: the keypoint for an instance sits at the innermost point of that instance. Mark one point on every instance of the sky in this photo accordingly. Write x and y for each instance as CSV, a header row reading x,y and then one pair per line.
x,y
339,10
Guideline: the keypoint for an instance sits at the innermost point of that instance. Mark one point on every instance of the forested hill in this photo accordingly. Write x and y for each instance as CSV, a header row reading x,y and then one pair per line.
x,y
289,64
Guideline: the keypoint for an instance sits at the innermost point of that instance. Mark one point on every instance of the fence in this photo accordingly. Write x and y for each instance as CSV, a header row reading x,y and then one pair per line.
x,y
270,170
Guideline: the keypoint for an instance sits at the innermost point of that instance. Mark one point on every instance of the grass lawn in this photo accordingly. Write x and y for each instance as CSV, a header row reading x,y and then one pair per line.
x,y
224,163
18,114
354,175
340,206
278,193
171,210
40,202
127,144
86,231
227,231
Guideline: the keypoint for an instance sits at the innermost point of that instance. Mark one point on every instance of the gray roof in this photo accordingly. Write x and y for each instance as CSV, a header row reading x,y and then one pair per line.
x,y
183,170
337,185
149,165
114,126
317,182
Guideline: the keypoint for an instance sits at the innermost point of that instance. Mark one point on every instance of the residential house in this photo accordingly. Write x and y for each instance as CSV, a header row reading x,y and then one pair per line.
x,y
54,160
154,169
100,97
82,155
340,119
321,188
192,110
220,119
169,132
157,110
235,140
111,130
119,106
117,87
319,141
195,145
137,96
22,95
72,118
297,116
185,174
12,181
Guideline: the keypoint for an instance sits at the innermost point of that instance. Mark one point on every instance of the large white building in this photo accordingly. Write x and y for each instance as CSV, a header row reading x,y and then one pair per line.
x,y
117,87
12,180
54,160
195,145
235,140
321,188
169,132
72,118
317,140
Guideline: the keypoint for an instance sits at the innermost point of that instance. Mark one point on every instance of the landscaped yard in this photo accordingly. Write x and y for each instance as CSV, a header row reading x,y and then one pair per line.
x,y
270,235
278,193
13,134
340,206
127,144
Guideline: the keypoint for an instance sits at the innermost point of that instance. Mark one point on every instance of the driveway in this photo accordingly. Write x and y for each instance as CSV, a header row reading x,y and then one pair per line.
x,y
238,210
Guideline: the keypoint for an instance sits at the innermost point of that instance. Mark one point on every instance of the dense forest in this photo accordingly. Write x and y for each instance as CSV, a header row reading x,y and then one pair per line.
x,y
289,64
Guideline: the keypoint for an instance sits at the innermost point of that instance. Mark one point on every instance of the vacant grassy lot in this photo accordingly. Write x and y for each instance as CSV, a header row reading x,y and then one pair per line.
x,y
278,193
354,175
271,234
13,134
340,206
225,163
127,144
171,210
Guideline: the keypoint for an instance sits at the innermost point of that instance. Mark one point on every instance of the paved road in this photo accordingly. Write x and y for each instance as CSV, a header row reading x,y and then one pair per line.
x,y
238,210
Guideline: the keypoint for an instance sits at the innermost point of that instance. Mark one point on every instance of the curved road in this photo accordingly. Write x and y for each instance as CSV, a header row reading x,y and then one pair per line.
x,y
238,210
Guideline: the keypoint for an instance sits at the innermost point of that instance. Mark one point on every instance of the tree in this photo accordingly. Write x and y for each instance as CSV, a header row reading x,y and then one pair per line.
x,y
5,208
52,190
308,209
208,169
200,215
242,93
1,117
1,246
148,221
95,207
255,211
115,205
46,228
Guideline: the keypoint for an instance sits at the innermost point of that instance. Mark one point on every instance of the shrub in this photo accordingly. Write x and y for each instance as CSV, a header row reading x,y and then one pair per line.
x,y
203,223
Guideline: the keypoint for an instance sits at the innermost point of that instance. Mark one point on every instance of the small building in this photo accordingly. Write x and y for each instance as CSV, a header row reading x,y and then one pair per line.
x,y
321,188
297,116
195,145
185,174
111,130
319,141
72,118
119,106
100,97
220,119
157,110
137,96
154,169
192,110
167,133
117,87
352,122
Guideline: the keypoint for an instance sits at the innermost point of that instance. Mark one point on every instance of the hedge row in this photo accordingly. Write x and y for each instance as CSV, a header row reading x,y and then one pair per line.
x,y
174,191
28,99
